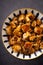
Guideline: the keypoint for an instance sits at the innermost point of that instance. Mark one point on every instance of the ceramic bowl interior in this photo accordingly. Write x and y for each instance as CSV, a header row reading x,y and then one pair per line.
x,y
5,39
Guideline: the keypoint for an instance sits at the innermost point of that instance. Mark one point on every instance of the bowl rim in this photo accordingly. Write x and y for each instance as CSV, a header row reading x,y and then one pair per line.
x,y
2,29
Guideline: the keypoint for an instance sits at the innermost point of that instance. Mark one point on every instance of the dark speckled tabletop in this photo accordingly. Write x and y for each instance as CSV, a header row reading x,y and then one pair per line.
x,y
6,7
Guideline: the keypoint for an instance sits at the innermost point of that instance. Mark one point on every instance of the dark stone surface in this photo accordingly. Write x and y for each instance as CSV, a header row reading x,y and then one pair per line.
x,y
6,7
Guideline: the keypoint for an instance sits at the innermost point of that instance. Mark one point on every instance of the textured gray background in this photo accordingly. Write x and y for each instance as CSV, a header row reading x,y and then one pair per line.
x,y
6,7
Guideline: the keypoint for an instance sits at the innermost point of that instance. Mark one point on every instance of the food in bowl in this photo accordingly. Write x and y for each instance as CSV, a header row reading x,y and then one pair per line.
x,y
25,33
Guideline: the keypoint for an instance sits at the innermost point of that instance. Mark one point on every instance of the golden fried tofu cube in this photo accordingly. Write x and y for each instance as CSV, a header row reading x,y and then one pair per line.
x,y
41,26
31,38
38,22
16,48
13,25
19,39
21,17
12,41
41,45
8,30
17,29
36,46
15,20
32,50
28,45
26,35
38,30
33,23
25,27
27,19
29,16
17,33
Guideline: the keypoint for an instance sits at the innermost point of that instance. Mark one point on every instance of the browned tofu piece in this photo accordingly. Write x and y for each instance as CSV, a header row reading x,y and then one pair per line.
x,y
13,40
27,48
12,25
29,17
8,30
15,20
32,38
17,28
41,26
25,27
41,45
38,30
26,35
28,45
16,48
33,23
36,46
32,50
19,39
38,22
17,31
21,17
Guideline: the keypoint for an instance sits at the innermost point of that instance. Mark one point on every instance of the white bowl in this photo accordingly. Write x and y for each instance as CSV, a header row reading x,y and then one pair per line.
x,y
5,39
